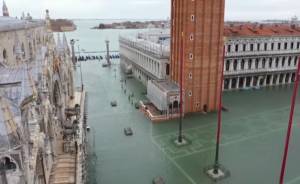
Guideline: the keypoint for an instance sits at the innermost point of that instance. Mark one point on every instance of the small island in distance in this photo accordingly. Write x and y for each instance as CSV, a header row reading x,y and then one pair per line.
x,y
134,25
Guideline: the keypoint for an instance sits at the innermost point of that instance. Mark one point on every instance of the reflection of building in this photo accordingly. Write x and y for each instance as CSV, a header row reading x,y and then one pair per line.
x,y
36,98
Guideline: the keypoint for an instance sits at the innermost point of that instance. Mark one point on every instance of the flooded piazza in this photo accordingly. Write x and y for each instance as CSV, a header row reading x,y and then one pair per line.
x,y
252,136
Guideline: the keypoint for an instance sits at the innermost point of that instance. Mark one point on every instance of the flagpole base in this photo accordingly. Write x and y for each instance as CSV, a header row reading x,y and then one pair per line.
x,y
182,143
217,176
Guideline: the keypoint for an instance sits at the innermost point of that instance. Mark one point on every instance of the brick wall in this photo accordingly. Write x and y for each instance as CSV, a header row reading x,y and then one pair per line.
x,y
197,28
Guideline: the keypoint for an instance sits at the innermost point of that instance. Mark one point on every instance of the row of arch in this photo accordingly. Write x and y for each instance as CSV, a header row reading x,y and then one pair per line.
x,y
259,81
244,64
266,46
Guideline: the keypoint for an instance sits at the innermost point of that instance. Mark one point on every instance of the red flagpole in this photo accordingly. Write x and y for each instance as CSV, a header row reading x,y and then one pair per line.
x,y
181,91
290,125
218,136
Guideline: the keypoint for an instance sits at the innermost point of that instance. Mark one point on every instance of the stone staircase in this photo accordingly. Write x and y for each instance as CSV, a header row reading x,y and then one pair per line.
x,y
63,171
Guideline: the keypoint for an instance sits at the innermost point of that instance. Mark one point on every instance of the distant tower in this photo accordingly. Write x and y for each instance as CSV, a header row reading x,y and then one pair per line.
x,y
197,37
107,52
48,21
5,10
47,15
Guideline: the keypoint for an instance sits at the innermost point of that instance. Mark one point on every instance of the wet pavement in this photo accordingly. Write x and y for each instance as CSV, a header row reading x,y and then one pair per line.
x,y
252,136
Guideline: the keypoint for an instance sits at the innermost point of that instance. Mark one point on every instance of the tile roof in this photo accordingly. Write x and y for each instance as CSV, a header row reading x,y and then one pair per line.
x,y
256,30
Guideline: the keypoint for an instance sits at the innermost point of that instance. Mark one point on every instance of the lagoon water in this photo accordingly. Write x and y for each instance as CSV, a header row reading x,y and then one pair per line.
x,y
252,137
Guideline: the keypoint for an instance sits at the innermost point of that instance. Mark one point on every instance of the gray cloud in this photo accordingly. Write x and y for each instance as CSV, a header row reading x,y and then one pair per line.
x,y
149,9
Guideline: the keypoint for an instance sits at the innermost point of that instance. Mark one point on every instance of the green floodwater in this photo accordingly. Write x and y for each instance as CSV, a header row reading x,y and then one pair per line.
x,y
253,131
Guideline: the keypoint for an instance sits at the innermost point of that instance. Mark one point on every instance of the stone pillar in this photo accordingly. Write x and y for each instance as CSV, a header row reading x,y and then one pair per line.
x,y
246,64
287,62
290,78
258,81
237,83
274,62
283,80
280,62
251,83
239,65
253,64
271,80
260,63
153,66
277,80
265,80
230,84
244,82
230,65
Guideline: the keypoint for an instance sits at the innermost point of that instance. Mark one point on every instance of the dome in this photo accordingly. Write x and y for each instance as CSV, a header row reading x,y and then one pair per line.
x,y
10,121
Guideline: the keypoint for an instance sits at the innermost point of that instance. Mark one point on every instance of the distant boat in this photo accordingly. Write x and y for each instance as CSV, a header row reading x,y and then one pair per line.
x,y
128,131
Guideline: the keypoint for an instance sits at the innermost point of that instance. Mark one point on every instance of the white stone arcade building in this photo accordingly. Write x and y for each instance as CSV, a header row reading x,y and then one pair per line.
x,y
260,55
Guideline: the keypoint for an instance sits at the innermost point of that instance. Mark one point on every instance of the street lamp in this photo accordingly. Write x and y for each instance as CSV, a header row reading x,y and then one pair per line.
x,y
81,78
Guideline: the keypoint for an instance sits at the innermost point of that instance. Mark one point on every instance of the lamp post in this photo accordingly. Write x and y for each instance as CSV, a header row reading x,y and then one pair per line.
x,y
180,140
107,52
81,78
72,42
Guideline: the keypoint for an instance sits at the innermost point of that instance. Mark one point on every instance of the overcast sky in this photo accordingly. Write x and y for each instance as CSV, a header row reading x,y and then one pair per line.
x,y
149,9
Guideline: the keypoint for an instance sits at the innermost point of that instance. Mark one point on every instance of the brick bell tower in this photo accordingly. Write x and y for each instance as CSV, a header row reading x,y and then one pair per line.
x,y
197,37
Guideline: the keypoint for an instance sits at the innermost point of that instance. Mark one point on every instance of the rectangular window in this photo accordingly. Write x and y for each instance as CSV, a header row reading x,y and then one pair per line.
x,y
229,48
236,48
235,63
272,46
251,47
279,46
266,46
168,69
292,45
258,46
193,18
191,37
191,56
227,65
285,46
244,47
243,64
298,45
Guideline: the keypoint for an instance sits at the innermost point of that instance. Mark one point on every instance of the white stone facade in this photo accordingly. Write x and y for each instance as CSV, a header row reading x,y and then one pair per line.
x,y
36,88
250,61
145,59
253,62
17,31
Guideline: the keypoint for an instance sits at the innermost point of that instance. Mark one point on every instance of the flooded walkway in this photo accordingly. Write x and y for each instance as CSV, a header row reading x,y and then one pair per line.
x,y
252,138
